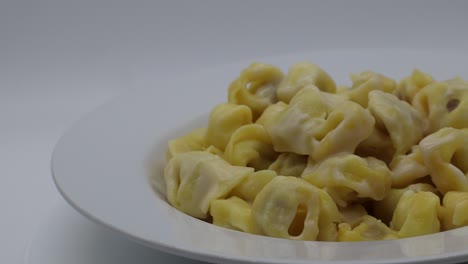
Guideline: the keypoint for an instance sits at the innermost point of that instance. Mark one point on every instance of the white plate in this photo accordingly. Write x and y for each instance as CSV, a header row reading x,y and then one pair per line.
x,y
101,166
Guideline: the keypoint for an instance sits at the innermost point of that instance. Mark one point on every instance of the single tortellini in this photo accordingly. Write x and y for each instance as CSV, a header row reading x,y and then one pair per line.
x,y
319,124
397,121
289,207
368,229
410,86
366,82
194,179
193,141
445,154
225,119
455,210
252,185
385,208
233,213
256,87
444,103
347,177
301,75
289,164
251,146
408,168
416,214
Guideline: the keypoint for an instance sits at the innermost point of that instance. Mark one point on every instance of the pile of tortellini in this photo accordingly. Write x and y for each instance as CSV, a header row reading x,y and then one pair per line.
x,y
295,156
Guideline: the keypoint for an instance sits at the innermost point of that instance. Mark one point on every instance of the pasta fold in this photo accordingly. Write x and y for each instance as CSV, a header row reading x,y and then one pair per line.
x,y
411,85
252,185
455,210
233,213
366,82
194,179
347,178
368,229
416,214
278,204
225,119
301,75
445,104
322,124
256,87
396,122
445,154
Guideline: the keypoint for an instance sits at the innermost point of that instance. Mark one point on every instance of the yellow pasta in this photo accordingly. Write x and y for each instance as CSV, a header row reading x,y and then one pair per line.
x,y
252,185
353,214
271,114
194,179
233,213
322,124
410,86
193,141
366,82
397,120
416,214
408,168
368,229
445,154
278,203
385,208
256,87
289,164
250,145
348,177
455,210
298,157
444,103
225,119
301,75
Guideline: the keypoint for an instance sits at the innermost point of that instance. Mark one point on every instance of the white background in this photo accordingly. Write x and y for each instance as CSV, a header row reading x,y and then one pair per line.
x,y
61,59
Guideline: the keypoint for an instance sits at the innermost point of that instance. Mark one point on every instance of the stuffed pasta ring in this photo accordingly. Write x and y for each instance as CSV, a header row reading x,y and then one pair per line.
x,y
445,154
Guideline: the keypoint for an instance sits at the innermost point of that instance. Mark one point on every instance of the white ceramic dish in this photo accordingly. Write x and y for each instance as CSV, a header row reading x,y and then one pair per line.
x,y
101,166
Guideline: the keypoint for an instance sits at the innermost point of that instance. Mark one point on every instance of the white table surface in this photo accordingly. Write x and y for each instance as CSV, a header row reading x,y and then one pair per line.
x,y
61,59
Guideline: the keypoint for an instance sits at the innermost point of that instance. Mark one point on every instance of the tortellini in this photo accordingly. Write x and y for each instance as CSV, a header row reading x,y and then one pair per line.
x,y
368,229
444,103
225,119
396,120
410,86
416,214
366,82
455,210
408,168
349,177
445,154
194,179
193,141
385,208
301,75
256,87
233,213
253,184
322,124
250,145
278,203
297,157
